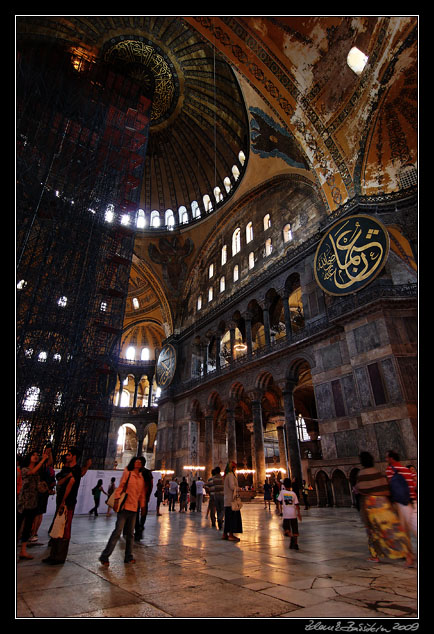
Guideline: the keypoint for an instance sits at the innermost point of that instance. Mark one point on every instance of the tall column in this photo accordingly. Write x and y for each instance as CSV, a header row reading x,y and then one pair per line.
x,y
266,315
151,382
232,339
136,389
209,442
293,446
121,387
217,351
280,423
287,313
248,322
230,424
258,434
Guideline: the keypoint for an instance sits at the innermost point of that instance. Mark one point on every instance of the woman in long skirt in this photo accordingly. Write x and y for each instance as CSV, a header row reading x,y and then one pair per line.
x,y
386,537
232,522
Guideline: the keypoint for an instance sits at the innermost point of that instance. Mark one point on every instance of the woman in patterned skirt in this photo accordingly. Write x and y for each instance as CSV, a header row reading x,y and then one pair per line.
x,y
386,538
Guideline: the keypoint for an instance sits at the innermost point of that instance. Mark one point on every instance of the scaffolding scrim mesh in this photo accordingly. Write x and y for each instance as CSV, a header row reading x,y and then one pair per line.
x,y
82,130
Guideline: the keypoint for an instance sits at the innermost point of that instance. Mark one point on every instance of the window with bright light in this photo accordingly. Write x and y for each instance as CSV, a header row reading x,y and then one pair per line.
x,y
125,220
103,307
140,222
195,209
210,294
62,301
222,284
109,213
251,260
207,203
268,247
236,272
224,254
210,271
218,194
302,429
199,302
136,304
21,284
131,353
235,172
249,232
357,60
227,183
169,218
287,233
155,218
267,222
236,241
145,354
241,157
42,357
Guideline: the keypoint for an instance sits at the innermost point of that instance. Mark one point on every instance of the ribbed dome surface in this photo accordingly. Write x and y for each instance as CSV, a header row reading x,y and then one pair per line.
x,y
199,122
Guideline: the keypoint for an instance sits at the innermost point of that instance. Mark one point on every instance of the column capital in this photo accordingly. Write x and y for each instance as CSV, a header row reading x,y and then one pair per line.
x,y
255,395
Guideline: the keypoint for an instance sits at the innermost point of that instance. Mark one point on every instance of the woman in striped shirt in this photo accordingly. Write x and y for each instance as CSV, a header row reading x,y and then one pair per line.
x,y
386,538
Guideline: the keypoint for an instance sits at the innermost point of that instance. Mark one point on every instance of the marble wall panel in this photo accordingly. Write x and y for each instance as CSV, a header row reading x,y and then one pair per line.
x,y
367,337
350,394
389,437
391,380
363,386
324,401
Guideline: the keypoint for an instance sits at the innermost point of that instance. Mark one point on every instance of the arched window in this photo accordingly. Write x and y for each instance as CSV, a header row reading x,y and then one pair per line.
x,y
125,398
183,215
145,354
210,294
224,254
42,357
131,353
222,284
236,241
236,272
287,233
210,271
218,194
251,260
125,220
207,203
140,220
155,218
195,209
241,157
249,232
268,247
136,304
199,302
267,222
227,183
62,301
235,172
169,219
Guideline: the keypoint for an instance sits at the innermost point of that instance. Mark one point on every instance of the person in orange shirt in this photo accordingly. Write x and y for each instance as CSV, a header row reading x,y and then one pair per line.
x,y
133,484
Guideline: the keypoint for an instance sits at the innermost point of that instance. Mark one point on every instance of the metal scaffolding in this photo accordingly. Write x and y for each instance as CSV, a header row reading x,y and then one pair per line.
x,y
82,129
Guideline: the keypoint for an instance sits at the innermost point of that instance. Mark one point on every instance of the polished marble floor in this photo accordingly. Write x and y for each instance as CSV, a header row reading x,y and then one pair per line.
x,y
184,570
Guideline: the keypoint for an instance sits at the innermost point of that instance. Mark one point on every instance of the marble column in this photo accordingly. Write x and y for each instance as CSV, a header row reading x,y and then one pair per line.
x,y
232,339
266,316
136,389
287,313
151,381
293,446
248,322
258,433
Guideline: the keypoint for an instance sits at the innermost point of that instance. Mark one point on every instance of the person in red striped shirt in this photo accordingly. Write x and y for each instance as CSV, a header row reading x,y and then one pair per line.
x,y
405,512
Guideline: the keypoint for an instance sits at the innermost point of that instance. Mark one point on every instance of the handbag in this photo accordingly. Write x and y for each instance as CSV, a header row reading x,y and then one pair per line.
x,y
58,527
122,498
236,502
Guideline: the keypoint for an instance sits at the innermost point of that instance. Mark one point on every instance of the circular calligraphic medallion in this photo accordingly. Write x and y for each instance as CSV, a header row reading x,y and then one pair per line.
x,y
351,254
166,366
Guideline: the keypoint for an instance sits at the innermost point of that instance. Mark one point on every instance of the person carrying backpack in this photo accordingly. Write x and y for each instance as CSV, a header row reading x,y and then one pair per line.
x,y
402,485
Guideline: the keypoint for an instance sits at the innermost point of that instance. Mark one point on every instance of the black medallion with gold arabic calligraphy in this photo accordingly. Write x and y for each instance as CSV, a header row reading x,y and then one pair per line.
x,y
351,254
166,366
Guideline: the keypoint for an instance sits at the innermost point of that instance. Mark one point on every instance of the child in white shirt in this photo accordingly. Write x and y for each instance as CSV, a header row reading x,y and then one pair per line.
x,y
290,510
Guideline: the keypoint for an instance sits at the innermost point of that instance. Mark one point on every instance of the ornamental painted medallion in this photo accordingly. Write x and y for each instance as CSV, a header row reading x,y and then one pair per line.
x,y
351,254
166,366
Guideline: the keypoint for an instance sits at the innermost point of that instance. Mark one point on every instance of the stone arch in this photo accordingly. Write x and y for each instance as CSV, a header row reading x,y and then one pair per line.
x,y
341,488
126,444
323,489
195,410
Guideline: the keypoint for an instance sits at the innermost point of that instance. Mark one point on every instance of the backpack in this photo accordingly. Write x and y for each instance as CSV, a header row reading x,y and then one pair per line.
x,y
399,489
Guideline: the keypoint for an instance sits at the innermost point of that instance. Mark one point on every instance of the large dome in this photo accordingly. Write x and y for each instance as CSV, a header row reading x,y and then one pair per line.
x,y
198,141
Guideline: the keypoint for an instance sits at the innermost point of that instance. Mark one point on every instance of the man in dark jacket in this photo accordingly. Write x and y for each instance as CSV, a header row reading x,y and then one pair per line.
x,y
141,516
